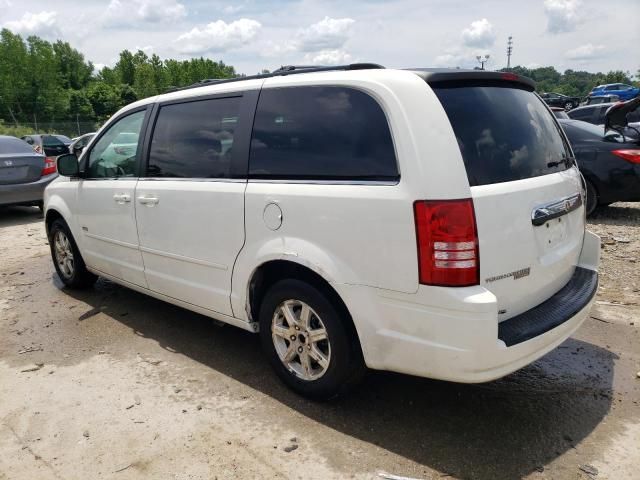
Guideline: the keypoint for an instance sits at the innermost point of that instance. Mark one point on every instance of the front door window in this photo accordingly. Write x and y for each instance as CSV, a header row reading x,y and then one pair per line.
x,y
116,153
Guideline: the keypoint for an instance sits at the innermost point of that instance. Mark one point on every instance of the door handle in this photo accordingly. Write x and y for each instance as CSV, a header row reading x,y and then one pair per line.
x,y
122,198
148,200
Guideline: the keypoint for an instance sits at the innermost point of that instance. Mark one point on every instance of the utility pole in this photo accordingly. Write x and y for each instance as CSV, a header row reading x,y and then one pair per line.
x,y
482,60
78,123
509,50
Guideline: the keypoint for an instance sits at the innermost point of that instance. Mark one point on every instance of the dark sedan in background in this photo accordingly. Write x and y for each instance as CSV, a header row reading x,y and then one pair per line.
x,y
610,163
559,100
595,114
24,173
50,145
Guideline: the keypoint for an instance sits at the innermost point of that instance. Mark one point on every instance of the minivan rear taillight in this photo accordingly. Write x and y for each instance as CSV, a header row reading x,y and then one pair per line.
x,y
630,155
447,242
49,166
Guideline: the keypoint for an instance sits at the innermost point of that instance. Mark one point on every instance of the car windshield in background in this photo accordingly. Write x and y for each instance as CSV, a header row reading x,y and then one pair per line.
x,y
51,141
14,145
504,134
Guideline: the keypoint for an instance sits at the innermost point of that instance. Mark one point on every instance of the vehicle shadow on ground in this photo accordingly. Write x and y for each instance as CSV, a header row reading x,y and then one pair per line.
x,y
502,429
617,214
12,216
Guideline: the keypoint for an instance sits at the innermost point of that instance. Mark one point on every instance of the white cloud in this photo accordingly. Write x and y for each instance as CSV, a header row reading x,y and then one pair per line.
x,y
148,49
231,9
218,36
327,34
479,34
585,52
272,49
130,12
562,15
328,57
44,24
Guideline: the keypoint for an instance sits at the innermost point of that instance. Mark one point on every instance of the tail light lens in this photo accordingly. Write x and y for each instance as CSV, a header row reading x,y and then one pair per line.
x,y
630,155
447,239
49,166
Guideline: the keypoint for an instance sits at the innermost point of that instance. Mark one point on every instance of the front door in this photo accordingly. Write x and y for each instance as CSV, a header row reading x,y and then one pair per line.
x,y
190,205
106,213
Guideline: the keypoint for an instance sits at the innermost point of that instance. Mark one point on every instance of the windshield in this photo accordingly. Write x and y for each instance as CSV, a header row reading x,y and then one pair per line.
x,y
51,141
504,133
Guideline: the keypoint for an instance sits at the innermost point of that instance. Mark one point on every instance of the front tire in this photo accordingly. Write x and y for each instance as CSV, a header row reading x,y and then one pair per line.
x,y
67,259
306,339
568,106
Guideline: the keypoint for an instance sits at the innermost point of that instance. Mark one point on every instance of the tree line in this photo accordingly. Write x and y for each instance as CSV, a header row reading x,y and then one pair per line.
x,y
50,86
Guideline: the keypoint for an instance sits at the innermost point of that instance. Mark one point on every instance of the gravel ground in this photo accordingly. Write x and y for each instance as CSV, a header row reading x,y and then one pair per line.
x,y
109,383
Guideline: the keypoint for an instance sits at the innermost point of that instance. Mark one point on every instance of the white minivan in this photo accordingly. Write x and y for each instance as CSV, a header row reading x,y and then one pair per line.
x,y
428,222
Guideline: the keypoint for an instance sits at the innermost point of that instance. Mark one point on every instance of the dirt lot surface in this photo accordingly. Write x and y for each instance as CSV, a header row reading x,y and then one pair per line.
x,y
109,383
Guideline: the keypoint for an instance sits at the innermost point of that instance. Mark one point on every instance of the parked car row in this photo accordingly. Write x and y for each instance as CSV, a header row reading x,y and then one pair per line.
x,y
28,165
609,93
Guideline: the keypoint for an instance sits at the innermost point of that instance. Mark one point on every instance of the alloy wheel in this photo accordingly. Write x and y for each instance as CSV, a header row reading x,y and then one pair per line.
x,y
301,340
63,253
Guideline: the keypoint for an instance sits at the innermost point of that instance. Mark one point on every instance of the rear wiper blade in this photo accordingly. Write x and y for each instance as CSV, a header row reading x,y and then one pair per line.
x,y
568,162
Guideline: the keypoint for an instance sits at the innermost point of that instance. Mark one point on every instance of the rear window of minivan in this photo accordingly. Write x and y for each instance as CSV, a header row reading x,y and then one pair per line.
x,y
504,133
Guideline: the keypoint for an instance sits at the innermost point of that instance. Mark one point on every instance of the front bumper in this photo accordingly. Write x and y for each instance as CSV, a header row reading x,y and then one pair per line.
x,y
454,334
25,193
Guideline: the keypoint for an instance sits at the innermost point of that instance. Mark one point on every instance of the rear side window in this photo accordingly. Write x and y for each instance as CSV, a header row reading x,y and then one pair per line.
x,y
504,133
194,139
323,133
51,141
14,145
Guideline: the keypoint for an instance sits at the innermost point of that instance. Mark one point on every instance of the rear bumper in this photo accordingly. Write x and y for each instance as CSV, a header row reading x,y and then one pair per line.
x,y
454,334
21,193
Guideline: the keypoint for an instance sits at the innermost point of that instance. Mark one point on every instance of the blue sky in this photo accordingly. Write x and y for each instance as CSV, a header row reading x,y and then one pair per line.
x,y
251,35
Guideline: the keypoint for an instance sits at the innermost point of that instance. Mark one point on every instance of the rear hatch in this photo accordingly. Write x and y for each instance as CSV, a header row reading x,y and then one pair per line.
x,y
18,162
526,191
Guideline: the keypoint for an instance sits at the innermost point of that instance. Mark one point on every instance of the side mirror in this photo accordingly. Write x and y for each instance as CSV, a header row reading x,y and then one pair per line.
x,y
67,165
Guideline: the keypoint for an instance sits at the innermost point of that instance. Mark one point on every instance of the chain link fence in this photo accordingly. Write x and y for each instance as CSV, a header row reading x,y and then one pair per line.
x,y
70,128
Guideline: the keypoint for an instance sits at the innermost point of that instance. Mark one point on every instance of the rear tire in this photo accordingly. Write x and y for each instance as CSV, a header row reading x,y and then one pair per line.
x,y
592,198
67,259
306,339
568,106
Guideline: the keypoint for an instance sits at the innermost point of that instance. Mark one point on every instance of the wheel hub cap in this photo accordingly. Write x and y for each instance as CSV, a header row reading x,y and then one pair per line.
x,y
301,340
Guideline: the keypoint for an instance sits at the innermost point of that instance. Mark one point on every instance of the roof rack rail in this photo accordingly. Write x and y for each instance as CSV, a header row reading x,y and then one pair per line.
x,y
283,70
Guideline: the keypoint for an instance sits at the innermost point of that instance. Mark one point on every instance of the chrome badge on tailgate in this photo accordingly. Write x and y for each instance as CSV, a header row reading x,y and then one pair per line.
x,y
544,213
523,272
